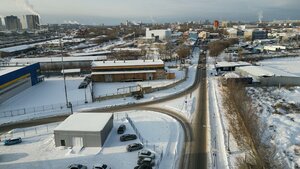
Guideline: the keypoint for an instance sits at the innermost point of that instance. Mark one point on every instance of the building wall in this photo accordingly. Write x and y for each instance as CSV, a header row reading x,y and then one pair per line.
x,y
14,89
280,80
13,23
161,33
31,71
90,139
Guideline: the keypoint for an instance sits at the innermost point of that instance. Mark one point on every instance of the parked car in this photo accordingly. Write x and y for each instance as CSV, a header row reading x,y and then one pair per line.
x,y
77,166
147,161
146,154
143,166
134,147
13,141
83,85
121,129
101,166
127,137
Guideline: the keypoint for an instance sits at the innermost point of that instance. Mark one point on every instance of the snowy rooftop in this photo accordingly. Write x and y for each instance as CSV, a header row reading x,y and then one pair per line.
x,y
232,64
16,48
128,63
123,72
91,53
84,122
56,59
260,71
5,70
66,71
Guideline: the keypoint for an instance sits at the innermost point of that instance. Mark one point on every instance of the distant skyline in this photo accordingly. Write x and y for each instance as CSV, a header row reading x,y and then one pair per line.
x,y
150,11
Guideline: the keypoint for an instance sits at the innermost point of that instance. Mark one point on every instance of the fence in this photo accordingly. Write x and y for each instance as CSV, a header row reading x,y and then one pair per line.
x,y
145,142
30,131
44,108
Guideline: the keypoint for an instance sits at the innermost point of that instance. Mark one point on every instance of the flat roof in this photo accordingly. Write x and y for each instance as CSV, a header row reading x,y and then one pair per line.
x,y
92,122
261,71
231,64
123,72
127,63
56,59
66,71
5,70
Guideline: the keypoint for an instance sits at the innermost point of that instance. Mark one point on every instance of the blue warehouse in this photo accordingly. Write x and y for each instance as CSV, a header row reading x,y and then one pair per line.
x,y
14,80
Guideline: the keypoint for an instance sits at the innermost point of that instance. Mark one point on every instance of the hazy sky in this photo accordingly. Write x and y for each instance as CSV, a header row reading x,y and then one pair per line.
x,y
116,11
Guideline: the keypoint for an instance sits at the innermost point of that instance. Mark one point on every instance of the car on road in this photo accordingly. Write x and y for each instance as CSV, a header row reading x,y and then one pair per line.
x,y
143,166
9,142
146,154
101,166
147,161
134,147
121,129
77,166
127,137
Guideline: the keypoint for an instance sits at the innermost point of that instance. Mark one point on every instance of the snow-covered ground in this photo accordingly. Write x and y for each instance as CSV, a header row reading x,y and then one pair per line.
x,y
279,109
163,134
49,92
289,65
53,92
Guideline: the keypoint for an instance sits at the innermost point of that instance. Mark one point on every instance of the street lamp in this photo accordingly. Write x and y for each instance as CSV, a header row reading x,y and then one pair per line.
x,y
63,72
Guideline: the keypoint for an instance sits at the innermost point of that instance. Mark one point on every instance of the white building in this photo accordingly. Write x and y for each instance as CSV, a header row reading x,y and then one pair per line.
x,y
84,130
162,34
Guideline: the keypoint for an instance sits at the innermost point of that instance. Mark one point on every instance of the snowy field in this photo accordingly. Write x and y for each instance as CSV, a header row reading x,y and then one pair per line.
x,y
163,134
289,65
279,109
49,92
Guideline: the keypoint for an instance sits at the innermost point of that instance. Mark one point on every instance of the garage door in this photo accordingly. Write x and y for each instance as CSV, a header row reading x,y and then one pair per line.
x,y
77,142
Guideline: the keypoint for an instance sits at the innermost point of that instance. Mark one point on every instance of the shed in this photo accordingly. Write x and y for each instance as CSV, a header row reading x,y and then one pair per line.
x,y
84,130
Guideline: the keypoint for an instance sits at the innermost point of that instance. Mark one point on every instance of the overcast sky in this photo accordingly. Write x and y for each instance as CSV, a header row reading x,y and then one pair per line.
x,y
116,11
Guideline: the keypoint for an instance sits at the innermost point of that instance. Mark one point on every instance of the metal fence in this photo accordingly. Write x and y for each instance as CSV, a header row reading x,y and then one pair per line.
x,y
156,148
30,131
44,108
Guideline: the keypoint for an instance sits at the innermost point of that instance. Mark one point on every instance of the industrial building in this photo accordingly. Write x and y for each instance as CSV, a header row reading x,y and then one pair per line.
x,y
13,23
159,34
84,130
229,66
53,65
129,70
253,34
268,76
16,79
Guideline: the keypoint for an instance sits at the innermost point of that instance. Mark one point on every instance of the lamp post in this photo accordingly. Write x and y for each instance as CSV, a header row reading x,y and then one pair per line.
x,y
63,72
85,96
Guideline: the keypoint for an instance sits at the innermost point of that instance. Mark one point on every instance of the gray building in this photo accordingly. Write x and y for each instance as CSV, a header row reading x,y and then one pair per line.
x,y
33,22
84,130
12,23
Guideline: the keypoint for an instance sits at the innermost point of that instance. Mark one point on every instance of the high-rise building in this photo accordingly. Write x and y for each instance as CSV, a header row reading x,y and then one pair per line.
x,y
12,23
33,22
216,24
1,25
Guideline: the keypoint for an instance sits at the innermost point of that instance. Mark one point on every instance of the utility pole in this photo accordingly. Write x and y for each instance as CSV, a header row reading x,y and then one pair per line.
x,y
63,72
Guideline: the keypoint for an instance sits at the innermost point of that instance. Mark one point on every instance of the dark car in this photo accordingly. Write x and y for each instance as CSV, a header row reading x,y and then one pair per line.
x,y
134,147
121,129
13,141
102,166
127,137
146,154
148,161
143,166
83,85
77,166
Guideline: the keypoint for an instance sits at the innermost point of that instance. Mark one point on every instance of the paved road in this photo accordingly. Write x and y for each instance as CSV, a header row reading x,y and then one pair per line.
x,y
195,156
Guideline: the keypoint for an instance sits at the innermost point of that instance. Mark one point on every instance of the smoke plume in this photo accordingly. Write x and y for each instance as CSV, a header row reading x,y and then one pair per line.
x,y
25,4
260,16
